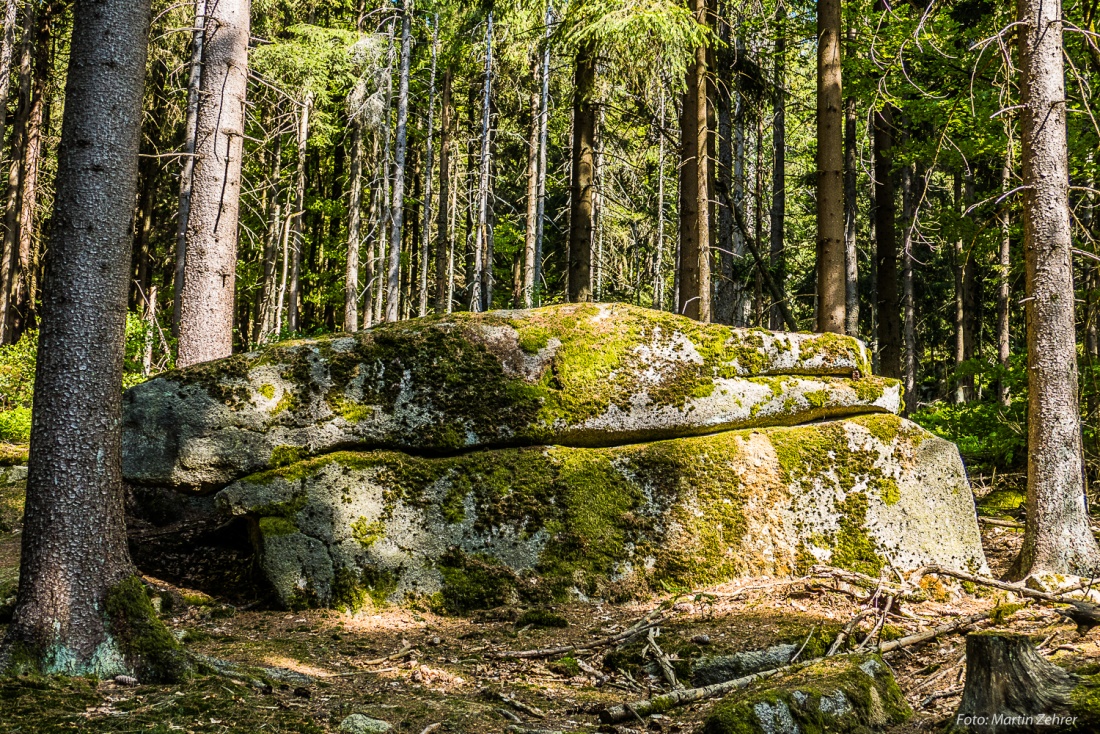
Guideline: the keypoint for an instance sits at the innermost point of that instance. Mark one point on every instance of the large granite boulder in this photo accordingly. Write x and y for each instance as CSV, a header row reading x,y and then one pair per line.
x,y
572,451
581,375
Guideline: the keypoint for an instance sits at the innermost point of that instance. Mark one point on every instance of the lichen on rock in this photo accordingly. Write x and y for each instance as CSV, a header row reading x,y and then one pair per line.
x,y
574,374
848,693
537,523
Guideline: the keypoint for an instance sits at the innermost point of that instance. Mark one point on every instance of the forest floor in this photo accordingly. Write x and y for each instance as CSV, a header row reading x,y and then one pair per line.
x,y
415,669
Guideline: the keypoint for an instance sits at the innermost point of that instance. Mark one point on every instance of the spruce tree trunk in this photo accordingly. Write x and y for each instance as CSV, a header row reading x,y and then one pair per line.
x,y
293,291
427,234
7,44
15,175
481,285
527,291
397,208
25,303
779,166
1057,538
544,115
694,297
909,185
886,248
265,322
659,261
355,204
851,253
442,227
187,174
582,177
964,293
80,609
830,167
1004,274
210,262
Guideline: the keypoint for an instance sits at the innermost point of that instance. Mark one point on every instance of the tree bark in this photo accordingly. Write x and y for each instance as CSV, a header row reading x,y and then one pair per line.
x,y
964,293
397,208
7,44
442,227
544,115
427,234
909,185
1004,275
71,615
886,249
582,176
210,262
851,252
355,204
779,166
694,299
830,167
1057,538
1007,678
293,291
265,323
481,286
527,292
659,261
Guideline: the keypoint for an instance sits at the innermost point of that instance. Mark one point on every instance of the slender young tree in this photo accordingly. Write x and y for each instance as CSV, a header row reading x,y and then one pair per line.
x,y
427,234
187,174
544,116
397,208
886,248
779,164
210,260
442,227
531,223
296,237
830,168
1057,538
582,180
355,196
481,284
851,253
1004,274
80,608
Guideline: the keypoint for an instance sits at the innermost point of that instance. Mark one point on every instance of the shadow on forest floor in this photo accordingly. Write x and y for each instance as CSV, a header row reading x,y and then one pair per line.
x,y
413,668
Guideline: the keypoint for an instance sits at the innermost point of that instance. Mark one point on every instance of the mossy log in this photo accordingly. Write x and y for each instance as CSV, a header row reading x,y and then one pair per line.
x,y
573,374
1010,687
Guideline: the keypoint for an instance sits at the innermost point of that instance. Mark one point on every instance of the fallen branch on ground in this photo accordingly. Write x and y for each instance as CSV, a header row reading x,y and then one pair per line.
x,y
1059,598
550,652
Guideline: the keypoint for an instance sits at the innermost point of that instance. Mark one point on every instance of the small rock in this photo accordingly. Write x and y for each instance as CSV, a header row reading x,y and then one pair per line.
x,y
435,641
126,680
302,692
701,639
360,724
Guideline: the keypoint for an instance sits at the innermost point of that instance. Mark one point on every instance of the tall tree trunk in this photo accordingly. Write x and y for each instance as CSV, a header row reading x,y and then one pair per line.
x,y
964,299
659,261
851,252
830,167
425,248
15,177
80,608
265,322
355,205
544,116
694,258
397,208
25,305
1004,275
483,264
728,175
7,44
886,248
1057,538
582,176
909,186
384,208
210,262
190,141
779,164
294,297
442,227
527,291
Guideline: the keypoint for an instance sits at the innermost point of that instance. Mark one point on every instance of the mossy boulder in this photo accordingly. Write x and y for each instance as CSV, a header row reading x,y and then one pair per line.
x,y
575,374
848,693
542,523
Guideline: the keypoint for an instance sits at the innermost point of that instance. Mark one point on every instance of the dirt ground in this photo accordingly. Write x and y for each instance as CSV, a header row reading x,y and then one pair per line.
x,y
415,669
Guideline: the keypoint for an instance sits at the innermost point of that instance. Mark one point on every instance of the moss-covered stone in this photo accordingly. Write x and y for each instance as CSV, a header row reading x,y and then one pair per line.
x,y
534,524
851,693
574,374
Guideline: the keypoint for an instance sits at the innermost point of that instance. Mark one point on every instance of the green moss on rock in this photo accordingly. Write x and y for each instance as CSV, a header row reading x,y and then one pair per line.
x,y
853,693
